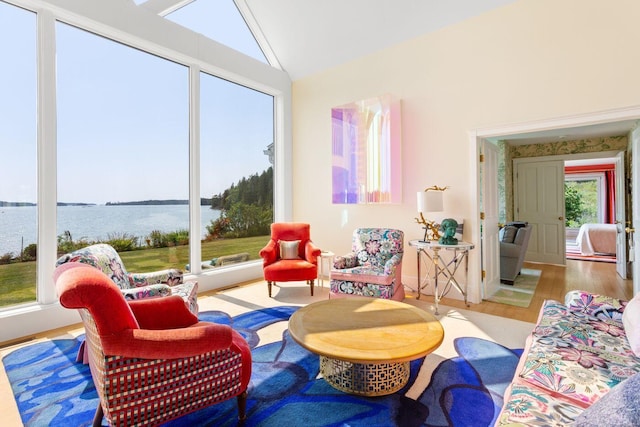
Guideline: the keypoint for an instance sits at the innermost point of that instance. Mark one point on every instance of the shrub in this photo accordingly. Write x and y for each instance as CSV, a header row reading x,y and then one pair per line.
x,y
30,252
6,258
122,242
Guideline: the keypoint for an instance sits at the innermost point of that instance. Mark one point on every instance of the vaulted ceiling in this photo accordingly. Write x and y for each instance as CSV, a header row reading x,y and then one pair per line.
x,y
304,37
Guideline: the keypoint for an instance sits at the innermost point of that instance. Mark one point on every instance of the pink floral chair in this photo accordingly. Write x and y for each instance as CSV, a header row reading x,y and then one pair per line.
x,y
135,285
373,268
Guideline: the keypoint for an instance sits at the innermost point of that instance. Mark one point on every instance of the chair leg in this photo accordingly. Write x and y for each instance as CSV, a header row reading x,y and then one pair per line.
x,y
311,283
269,286
242,406
97,418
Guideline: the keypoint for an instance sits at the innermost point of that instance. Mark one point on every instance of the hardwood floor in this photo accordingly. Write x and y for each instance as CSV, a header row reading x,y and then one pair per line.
x,y
555,282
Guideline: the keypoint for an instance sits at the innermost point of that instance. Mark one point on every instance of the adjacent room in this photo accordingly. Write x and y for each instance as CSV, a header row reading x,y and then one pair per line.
x,y
284,212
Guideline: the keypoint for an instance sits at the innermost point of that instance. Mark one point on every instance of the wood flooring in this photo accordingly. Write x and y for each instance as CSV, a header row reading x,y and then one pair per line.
x,y
555,282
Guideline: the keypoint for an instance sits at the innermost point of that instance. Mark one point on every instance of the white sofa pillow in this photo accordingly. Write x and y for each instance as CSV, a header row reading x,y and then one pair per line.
x,y
631,322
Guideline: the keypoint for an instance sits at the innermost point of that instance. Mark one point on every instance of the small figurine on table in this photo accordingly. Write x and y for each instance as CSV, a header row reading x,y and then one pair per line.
x,y
449,225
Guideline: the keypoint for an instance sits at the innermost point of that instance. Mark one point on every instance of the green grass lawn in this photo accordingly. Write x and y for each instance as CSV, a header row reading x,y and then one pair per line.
x,y
18,280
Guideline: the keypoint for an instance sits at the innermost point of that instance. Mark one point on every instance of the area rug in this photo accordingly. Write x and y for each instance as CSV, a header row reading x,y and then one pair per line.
x,y
461,384
521,292
574,253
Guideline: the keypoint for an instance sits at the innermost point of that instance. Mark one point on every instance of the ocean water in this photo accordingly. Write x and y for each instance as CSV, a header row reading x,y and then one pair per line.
x,y
18,224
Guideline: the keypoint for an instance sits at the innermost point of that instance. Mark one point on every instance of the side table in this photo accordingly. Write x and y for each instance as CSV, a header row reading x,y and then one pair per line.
x,y
325,256
445,268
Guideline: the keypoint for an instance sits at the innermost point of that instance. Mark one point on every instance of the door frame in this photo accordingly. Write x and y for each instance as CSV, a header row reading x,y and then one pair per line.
x,y
476,136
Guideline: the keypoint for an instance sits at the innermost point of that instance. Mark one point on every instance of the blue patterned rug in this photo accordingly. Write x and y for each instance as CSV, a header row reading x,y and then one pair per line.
x,y
51,389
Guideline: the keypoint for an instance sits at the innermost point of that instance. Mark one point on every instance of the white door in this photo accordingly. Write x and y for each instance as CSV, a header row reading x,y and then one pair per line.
x,y
634,251
621,234
539,200
489,224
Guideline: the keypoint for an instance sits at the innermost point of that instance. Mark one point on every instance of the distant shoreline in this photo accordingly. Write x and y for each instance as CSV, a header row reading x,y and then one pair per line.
x,y
203,202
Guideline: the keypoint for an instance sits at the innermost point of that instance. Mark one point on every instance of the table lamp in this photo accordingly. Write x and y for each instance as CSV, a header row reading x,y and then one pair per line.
x,y
430,201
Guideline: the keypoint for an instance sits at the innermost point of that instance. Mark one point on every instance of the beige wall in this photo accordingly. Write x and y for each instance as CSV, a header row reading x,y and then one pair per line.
x,y
527,61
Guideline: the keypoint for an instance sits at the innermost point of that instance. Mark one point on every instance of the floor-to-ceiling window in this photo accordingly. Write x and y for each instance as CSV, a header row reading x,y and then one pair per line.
x,y
236,167
123,150
18,174
119,131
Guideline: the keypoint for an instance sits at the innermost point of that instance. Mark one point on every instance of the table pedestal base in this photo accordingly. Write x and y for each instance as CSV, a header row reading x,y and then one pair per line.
x,y
365,379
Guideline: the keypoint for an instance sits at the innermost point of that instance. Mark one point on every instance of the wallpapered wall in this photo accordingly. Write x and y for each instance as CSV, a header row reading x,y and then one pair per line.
x,y
558,148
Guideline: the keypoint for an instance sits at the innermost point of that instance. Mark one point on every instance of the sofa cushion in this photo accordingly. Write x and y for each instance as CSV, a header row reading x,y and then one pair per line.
x,y
577,356
631,322
526,405
619,407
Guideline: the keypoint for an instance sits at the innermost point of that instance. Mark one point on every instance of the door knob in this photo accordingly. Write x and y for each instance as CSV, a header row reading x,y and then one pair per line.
x,y
560,218
629,230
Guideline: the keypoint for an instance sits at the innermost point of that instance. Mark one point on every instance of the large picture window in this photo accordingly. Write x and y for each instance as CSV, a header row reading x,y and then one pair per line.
x,y
18,174
236,164
98,144
123,151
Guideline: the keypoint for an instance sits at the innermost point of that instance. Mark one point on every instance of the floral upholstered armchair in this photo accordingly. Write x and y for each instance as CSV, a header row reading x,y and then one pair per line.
x,y
373,268
135,285
152,360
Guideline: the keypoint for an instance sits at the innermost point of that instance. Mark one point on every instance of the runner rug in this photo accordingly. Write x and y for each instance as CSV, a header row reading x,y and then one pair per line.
x,y
462,383
521,292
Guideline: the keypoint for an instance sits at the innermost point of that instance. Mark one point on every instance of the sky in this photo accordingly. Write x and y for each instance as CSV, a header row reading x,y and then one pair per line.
x,y
122,114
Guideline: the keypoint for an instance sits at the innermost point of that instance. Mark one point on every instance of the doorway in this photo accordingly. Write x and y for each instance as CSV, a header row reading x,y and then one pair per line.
x,y
619,122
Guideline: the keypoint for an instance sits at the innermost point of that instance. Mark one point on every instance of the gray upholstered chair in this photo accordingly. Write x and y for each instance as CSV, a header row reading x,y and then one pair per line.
x,y
514,240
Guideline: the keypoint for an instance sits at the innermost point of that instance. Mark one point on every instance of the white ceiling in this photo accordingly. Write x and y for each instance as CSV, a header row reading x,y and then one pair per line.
x,y
308,37
311,36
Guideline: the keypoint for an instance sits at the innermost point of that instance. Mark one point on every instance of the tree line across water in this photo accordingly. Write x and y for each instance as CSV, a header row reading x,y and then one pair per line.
x,y
246,210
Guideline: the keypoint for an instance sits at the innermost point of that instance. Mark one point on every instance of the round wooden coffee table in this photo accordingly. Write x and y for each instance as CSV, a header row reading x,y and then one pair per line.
x,y
365,344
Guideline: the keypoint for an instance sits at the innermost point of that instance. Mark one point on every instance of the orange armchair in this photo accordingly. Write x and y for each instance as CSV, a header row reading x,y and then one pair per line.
x,y
290,255
151,359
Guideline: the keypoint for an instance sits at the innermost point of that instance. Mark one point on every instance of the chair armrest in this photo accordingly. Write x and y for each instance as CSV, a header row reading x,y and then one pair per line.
x,y
162,313
311,252
157,290
349,260
202,337
600,306
392,263
170,276
269,254
510,250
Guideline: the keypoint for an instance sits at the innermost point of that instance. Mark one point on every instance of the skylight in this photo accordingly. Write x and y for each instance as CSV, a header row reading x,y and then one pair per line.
x,y
219,20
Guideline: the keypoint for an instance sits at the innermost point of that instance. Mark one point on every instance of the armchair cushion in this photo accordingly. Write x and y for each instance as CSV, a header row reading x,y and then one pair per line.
x,y
289,249
509,233
346,261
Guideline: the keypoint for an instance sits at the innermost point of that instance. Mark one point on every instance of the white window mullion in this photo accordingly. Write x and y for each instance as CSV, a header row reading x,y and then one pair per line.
x,y
47,156
195,249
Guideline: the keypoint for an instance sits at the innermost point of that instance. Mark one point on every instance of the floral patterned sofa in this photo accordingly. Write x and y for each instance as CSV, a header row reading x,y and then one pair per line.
x,y
373,268
580,365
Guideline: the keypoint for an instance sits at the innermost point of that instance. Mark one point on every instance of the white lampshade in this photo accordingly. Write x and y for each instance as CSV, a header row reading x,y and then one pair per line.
x,y
430,201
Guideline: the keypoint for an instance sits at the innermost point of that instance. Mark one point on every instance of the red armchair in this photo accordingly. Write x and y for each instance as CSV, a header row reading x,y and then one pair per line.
x,y
290,255
152,360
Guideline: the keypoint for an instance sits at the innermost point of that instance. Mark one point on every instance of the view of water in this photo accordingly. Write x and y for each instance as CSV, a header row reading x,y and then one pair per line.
x,y
97,222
